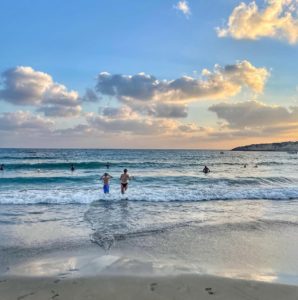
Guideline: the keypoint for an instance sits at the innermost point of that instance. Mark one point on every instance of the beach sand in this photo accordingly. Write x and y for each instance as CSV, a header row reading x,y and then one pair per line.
x,y
90,274
149,287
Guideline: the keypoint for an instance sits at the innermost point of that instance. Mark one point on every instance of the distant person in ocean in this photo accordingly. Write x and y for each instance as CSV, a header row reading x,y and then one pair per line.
x,y
245,165
72,168
1,167
206,170
106,182
124,178
108,165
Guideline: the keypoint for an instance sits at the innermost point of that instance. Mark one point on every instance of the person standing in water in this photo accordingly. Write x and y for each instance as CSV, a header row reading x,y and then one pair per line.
x,y
106,182
1,167
124,178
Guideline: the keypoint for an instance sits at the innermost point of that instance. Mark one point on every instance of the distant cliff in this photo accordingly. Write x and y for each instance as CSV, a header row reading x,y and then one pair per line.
x,y
285,146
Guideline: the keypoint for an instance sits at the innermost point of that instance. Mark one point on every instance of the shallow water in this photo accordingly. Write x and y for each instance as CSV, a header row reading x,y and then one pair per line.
x,y
44,176
235,221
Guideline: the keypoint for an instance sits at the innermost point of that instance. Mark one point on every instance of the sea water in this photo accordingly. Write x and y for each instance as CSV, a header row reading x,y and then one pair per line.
x,y
240,219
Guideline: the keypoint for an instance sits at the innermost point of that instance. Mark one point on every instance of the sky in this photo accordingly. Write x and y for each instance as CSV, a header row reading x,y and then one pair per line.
x,y
148,74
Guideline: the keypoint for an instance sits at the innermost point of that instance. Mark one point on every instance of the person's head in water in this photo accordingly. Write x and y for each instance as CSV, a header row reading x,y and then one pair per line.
x,y
206,169
125,171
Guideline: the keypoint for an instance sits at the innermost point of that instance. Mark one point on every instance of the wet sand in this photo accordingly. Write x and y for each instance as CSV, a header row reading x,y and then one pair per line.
x,y
142,287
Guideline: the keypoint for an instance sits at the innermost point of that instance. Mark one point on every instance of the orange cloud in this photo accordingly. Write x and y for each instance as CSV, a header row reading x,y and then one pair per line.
x,y
277,20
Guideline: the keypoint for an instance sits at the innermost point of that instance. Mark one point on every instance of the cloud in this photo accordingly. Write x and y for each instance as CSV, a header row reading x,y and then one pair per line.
x,y
183,7
139,126
26,87
165,110
221,83
277,20
253,114
140,86
24,121
61,111
90,96
126,120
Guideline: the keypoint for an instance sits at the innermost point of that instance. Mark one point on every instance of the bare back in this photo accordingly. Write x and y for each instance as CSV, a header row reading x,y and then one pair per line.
x,y
124,178
106,179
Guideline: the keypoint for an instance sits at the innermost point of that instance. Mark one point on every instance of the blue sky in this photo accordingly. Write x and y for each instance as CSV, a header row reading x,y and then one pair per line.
x,y
73,41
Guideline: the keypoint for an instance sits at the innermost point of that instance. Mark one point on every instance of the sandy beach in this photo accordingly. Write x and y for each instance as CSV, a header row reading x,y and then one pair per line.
x,y
134,287
229,235
88,275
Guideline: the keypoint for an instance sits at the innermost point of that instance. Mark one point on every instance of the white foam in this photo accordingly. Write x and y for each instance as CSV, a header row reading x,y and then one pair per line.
x,y
165,194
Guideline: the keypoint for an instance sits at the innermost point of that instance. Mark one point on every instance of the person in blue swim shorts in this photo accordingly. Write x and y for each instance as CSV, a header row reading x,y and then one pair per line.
x,y
106,182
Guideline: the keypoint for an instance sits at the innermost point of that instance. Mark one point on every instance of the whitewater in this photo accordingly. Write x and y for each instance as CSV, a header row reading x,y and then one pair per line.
x,y
44,176
239,220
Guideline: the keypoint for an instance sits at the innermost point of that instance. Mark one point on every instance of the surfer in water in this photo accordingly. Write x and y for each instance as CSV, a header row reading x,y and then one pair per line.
x,y
106,182
206,170
124,178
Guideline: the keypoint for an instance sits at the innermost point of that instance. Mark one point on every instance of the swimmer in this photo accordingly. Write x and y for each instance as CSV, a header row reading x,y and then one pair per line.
x,y
206,170
108,165
1,167
106,180
72,168
245,165
124,178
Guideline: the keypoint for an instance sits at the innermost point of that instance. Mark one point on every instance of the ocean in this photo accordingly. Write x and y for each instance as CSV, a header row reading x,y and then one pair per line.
x,y
235,221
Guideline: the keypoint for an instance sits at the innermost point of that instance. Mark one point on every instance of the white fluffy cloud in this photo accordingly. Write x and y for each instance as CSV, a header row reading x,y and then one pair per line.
x,y
221,83
125,120
277,20
183,7
22,120
253,114
25,86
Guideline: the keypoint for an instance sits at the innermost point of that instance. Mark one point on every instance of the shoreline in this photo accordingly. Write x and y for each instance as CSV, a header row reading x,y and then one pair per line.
x,y
188,286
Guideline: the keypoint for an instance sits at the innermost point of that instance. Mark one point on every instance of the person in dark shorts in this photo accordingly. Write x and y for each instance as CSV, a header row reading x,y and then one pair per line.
x,y
124,178
106,182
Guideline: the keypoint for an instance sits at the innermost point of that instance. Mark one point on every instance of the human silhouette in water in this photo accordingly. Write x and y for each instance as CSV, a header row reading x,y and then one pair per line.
x,y
124,178
106,182
1,167
72,168
206,170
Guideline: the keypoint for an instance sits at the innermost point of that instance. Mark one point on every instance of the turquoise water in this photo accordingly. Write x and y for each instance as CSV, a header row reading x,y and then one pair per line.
x,y
232,221
44,176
